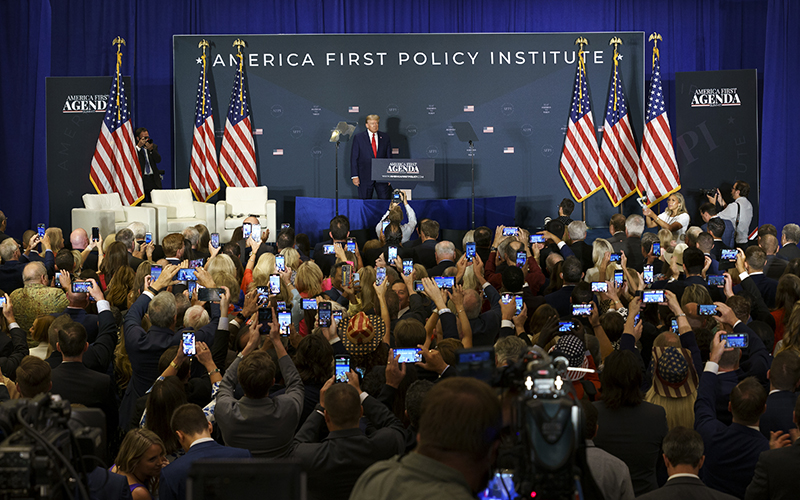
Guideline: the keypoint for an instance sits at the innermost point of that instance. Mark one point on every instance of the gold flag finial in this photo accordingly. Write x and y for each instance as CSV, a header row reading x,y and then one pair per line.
x,y
119,42
239,43
580,42
204,45
616,42
655,37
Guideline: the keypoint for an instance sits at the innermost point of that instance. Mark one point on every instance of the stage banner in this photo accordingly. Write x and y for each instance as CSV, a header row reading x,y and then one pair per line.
x,y
514,88
75,107
717,135
400,171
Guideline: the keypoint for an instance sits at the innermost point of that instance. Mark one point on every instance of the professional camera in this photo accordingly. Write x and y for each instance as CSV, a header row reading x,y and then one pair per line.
x,y
708,192
547,454
43,444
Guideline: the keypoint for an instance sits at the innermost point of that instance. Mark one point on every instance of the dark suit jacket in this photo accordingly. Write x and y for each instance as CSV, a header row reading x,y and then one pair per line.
x,y
100,352
439,269
326,261
13,347
617,240
80,385
731,451
685,488
789,251
425,254
583,251
775,476
486,327
766,286
778,416
11,271
89,321
775,266
107,485
633,251
728,235
173,477
335,463
155,158
361,154
560,300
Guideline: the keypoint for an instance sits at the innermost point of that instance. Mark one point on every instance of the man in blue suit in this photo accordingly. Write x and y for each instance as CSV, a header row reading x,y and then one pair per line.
x,y
366,146
194,433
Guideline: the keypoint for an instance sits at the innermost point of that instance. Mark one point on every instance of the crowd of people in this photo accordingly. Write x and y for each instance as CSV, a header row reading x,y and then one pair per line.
x,y
683,348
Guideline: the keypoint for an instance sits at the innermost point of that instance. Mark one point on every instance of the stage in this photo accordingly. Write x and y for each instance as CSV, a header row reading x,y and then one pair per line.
x,y
313,215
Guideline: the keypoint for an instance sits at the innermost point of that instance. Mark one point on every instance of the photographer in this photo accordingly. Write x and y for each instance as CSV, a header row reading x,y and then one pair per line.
x,y
147,151
740,212
395,214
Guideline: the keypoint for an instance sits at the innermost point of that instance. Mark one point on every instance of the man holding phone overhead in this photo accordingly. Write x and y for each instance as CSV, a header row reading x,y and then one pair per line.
x,y
368,145
149,157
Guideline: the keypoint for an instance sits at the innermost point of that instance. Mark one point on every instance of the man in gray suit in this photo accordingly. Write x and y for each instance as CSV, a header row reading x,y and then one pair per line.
x,y
683,456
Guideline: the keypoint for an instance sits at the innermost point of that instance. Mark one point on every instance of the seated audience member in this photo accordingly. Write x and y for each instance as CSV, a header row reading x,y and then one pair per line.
x,y
725,233
395,214
339,231
790,236
776,264
582,250
784,378
256,422
37,298
33,377
609,472
140,459
683,456
628,427
571,273
445,253
732,451
335,463
775,475
459,432
194,433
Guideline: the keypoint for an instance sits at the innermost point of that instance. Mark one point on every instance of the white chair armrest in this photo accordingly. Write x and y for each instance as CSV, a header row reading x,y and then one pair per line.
x,y
205,211
88,218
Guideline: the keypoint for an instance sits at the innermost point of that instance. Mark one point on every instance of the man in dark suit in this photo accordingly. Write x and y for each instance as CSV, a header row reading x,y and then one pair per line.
x,y
571,273
581,249
14,262
77,311
485,326
366,146
775,476
445,253
784,377
76,383
634,227
3,224
339,231
705,242
683,456
147,152
194,433
726,233
424,253
732,451
616,227
789,239
335,463
753,263
775,264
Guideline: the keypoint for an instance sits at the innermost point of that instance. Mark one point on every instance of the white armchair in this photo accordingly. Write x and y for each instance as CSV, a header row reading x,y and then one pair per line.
x,y
176,210
242,202
107,212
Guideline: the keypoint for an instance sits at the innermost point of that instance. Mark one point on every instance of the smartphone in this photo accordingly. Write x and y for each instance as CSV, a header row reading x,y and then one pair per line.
x,y
537,238
337,316
356,279
58,280
740,340
95,234
716,280
215,240
446,282
324,314
565,326
653,297
81,286
148,238
674,325
470,251
408,267
309,304
380,275
351,245
255,233
728,254
347,275
263,295
284,320
194,264
383,225
637,319
189,347
392,254
521,258
41,230
409,355
264,316
280,263
191,286
519,305
582,309
418,286
285,225
506,298
186,275
599,287
618,278
246,229
280,305
342,364
2,302
657,248
615,257
274,284
397,197
328,249
510,231
155,272
209,294
647,275
707,310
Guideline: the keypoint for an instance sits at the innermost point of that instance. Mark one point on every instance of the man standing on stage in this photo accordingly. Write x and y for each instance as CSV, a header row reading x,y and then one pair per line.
x,y
366,146
148,158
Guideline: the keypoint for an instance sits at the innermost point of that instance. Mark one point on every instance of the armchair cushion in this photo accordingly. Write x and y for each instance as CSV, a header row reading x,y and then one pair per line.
x,y
109,201
181,199
246,201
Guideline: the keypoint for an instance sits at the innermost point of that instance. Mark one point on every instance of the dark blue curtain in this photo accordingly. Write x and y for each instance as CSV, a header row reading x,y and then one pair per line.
x,y
52,38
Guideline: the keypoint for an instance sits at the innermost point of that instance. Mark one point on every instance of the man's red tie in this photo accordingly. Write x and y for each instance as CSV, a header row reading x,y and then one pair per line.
x,y
374,147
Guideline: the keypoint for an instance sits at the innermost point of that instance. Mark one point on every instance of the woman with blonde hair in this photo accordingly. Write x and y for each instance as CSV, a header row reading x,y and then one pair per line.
x,y
600,247
140,459
673,218
674,386
115,258
309,280
120,286
262,270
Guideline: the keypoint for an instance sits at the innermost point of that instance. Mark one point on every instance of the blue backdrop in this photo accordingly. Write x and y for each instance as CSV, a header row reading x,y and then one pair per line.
x,y
43,38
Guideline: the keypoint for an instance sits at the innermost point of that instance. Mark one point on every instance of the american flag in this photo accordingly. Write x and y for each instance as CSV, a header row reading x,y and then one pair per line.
x,y
115,165
579,158
618,157
237,157
658,170
203,176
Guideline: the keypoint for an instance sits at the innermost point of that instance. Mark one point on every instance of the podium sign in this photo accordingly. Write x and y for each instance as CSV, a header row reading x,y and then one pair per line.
x,y
400,169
